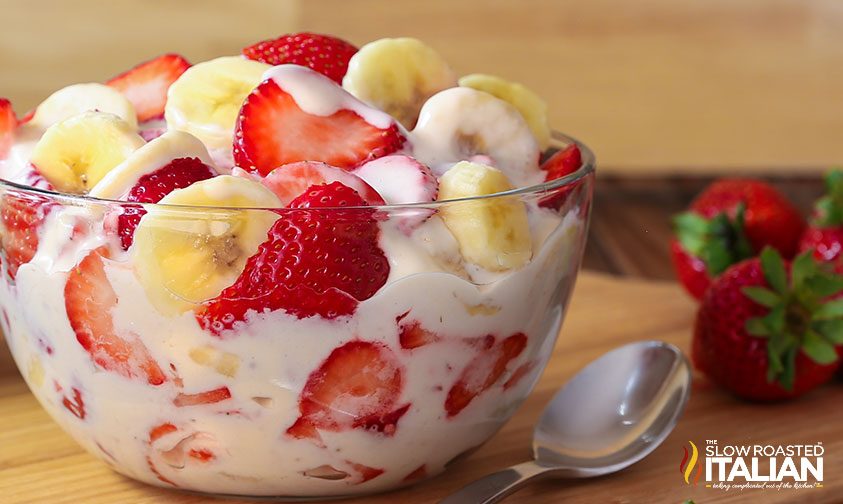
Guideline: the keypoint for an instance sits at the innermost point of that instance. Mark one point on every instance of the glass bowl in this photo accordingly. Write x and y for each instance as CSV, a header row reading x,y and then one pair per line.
x,y
382,393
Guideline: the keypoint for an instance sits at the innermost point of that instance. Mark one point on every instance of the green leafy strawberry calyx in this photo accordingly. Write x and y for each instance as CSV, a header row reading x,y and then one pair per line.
x,y
802,315
828,211
719,241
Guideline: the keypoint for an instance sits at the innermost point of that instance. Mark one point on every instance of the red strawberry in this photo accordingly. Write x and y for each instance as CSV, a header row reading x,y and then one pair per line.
x,y
21,215
483,372
209,397
273,131
765,330
8,125
326,55
152,187
564,162
314,262
824,235
292,180
89,300
411,334
75,404
357,386
146,85
364,472
732,220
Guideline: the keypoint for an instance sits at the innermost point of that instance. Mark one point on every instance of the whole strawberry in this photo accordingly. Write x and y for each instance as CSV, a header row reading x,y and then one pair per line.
x,y
824,235
327,55
730,221
766,329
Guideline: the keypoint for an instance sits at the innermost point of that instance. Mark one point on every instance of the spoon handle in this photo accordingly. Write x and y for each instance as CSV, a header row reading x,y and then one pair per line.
x,y
496,486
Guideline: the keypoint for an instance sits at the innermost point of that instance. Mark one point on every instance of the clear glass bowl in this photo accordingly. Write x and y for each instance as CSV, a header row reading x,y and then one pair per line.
x,y
422,372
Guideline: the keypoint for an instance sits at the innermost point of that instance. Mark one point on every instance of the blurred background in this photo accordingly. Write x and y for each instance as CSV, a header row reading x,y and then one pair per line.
x,y
668,93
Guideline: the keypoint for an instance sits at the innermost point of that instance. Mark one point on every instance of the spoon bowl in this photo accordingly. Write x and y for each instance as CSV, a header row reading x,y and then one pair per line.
x,y
612,414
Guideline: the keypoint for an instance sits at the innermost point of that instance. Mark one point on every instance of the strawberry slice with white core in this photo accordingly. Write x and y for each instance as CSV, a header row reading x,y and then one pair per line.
x,y
146,85
290,181
357,386
483,371
21,215
300,115
8,125
400,179
89,301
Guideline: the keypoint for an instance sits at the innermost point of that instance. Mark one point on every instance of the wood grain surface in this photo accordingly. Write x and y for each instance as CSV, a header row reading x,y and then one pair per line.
x,y
40,464
654,86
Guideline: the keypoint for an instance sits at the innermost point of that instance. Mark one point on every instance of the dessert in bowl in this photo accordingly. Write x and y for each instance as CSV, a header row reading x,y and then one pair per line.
x,y
284,275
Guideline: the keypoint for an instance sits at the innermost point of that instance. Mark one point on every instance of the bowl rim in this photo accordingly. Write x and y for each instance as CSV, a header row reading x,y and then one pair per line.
x,y
587,167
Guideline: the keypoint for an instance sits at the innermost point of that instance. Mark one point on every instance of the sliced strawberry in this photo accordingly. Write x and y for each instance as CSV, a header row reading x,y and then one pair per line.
x,y
75,404
483,372
417,474
21,215
327,55
209,397
8,125
314,262
291,181
89,301
412,335
273,131
564,162
160,431
357,386
152,187
400,179
146,85
365,472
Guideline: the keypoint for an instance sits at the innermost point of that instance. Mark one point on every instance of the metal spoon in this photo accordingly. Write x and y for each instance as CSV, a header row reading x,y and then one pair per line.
x,y
612,414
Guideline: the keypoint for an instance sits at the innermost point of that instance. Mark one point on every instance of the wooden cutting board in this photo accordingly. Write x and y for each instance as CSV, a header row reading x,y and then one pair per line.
x,y
40,464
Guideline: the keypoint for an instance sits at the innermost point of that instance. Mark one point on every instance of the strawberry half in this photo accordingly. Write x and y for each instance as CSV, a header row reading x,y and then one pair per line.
x,y
314,262
730,221
152,187
766,329
292,180
357,386
8,125
326,55
564,162
89,301
21,215
483,371
146,85
824,235
273,131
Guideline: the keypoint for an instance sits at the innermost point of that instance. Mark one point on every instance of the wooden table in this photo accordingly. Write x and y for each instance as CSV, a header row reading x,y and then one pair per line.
x,y
667,92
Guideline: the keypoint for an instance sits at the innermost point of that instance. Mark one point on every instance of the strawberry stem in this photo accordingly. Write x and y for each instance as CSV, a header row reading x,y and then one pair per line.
x,y
719,241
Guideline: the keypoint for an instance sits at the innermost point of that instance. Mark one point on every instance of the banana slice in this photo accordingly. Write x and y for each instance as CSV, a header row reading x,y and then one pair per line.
x,y
459,123
205,100
184,256
493,233
397,75
117,183
79,98
531,106
75,154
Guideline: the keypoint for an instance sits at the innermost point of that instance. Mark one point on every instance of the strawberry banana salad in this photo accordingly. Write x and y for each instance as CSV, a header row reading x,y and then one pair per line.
x,y
288,272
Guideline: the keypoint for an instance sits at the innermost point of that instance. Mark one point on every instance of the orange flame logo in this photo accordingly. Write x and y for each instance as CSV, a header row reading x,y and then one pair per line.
x,y
686,467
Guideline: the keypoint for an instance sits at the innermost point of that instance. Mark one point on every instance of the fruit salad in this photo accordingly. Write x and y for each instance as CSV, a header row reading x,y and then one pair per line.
x,y
305,270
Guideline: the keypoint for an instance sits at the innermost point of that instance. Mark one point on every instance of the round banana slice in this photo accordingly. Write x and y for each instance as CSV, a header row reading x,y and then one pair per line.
x,y
117,183
184,256
205,100
531,106
397,75
459,123
78,98
75,154
492,233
